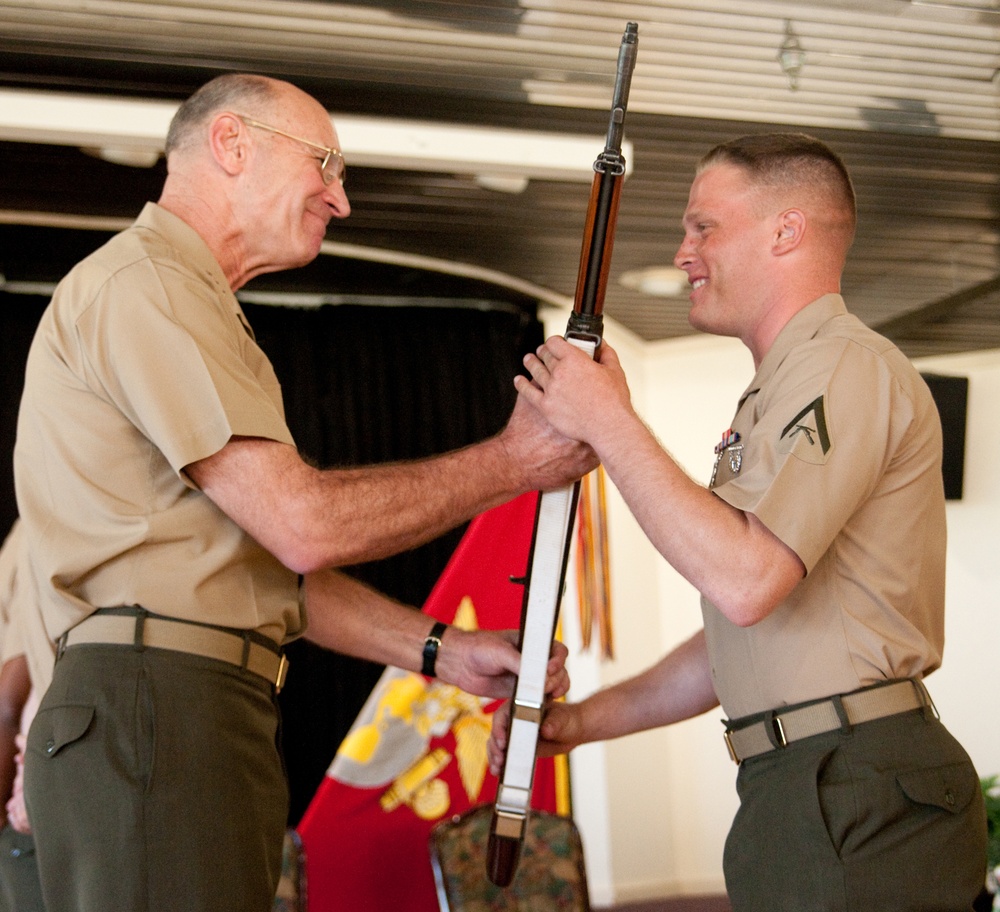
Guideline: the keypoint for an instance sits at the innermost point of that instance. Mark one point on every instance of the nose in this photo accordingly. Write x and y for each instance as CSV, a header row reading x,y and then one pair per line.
x,y
336,198
684,256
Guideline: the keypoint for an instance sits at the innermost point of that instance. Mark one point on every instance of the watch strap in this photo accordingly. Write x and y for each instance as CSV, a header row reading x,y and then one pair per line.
x,y
431,645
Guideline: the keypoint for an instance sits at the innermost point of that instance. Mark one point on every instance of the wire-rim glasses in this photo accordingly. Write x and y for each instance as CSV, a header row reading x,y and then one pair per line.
x,y
333,166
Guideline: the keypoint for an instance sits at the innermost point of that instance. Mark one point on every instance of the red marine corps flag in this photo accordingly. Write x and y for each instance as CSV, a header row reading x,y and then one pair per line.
x,y
417,752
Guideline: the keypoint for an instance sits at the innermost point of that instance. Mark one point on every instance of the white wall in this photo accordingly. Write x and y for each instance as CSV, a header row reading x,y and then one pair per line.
x,y
967,686
654,808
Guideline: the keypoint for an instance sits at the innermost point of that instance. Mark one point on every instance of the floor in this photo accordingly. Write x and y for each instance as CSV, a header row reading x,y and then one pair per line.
x,y
685,904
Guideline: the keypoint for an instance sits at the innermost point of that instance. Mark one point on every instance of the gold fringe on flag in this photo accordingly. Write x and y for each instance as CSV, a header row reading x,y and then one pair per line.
x,y
564,795
593,571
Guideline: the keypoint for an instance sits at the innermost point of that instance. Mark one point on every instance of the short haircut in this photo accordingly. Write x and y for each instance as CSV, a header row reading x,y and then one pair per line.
x,y
785,160
242,93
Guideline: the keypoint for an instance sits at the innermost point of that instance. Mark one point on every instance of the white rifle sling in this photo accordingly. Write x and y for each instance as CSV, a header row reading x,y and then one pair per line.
x,y
545,582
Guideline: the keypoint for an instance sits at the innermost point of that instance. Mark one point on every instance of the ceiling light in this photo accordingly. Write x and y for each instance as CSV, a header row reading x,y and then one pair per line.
x,y
502,183
133,157
134,127
458,149
657,281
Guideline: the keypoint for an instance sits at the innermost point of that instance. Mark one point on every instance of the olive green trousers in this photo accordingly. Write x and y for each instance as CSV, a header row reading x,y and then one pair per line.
x,y
20,890
154,783
885,817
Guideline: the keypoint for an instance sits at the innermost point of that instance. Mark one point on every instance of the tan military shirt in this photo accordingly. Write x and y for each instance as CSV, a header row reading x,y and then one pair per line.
x,y
142,364
839,455
9,554
22,631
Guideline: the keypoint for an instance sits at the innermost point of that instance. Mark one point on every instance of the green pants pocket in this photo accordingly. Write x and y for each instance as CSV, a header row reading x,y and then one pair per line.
x,y
56,726
949,787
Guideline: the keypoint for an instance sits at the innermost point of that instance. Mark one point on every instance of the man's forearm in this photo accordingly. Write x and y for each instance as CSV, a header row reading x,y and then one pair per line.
x,y
347,616
726,554
383,510
676,688
312,518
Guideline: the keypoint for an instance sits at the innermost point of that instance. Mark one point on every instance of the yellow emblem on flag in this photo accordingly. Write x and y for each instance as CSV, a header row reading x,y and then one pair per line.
x,y
390,743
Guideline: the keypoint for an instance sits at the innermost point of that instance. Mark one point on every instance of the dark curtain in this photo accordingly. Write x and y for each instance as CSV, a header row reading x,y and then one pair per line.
x,y
367,385
19,316
361,385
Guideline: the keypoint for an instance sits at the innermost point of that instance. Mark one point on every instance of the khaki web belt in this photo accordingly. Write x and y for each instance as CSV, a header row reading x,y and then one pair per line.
x,y
781,727
142,629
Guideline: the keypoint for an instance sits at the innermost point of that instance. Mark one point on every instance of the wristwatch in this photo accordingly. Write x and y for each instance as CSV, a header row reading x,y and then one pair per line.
x,y
431,645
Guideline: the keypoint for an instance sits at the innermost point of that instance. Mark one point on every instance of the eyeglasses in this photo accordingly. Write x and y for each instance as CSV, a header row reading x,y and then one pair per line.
x,y
333,166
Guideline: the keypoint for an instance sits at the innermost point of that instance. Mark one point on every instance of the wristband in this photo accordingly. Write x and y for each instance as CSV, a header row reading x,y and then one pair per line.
x,y
431,645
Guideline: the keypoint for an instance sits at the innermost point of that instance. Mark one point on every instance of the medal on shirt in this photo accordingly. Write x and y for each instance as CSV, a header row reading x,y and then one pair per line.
x,y
729,446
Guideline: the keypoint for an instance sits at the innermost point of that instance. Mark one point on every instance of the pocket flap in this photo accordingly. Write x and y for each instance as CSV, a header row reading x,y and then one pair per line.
x,y
950,787
58,726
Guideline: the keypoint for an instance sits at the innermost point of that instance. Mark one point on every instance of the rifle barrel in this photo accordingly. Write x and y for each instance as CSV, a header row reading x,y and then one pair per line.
x,y
599,230
623,83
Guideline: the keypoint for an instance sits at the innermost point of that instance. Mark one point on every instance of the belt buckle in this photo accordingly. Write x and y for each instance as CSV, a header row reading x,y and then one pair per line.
x,y
279,680
777,730
727,735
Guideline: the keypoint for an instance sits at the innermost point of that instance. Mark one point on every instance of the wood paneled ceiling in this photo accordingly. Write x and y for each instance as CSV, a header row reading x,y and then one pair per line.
x,y
907,91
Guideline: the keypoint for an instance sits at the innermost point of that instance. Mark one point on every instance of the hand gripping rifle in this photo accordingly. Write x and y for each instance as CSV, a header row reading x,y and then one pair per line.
x,y
556,509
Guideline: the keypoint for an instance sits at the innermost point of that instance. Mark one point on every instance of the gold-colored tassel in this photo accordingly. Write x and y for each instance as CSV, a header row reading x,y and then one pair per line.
x,y
593,571
584,596
601,526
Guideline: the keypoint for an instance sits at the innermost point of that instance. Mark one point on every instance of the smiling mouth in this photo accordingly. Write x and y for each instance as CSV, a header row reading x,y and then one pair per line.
x,y
322,225
698,283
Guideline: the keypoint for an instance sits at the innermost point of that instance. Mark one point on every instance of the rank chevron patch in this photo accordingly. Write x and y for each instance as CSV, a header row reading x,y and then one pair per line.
x,y
807,433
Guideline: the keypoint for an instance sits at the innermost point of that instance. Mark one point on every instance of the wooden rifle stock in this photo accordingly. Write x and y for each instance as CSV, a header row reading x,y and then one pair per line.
x,y
556,509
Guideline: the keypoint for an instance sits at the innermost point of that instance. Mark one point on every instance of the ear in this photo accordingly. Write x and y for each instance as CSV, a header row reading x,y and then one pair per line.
x,y
790,230
227,138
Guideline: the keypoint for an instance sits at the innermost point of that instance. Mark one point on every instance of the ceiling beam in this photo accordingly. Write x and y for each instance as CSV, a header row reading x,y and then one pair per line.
x,y
940,309
132,131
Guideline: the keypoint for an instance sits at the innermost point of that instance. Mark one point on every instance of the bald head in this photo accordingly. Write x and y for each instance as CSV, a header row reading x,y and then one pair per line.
x,y
249,169
793,170
256,96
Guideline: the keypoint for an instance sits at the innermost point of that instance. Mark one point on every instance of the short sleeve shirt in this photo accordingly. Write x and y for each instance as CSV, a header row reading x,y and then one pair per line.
x,y
8,580
23,630
142,364
836,449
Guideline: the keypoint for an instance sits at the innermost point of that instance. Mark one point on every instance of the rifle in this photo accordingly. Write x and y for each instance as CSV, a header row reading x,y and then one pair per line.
x,y
556,509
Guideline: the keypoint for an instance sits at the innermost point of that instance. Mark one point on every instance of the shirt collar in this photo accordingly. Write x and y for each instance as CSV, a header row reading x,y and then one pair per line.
x,y
192,251
190,246
803,326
